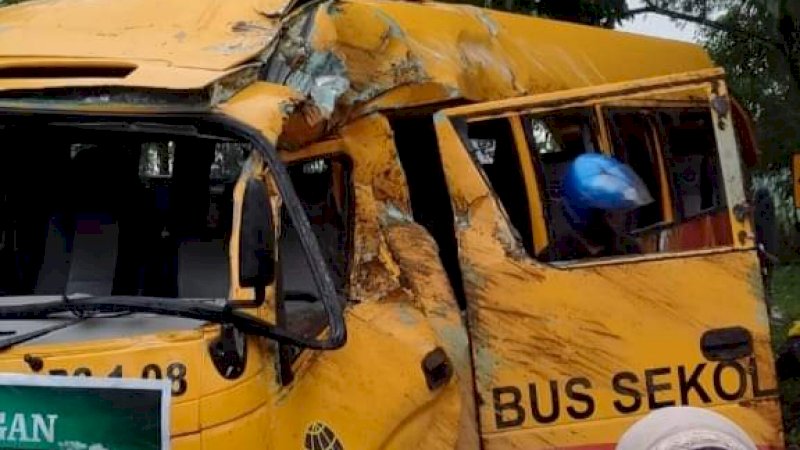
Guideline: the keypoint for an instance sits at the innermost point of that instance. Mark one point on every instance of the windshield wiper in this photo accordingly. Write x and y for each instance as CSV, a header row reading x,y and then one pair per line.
x,y
207,310
78,317
20,338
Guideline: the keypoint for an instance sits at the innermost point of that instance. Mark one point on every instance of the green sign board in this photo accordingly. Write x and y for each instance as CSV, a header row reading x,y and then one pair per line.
x,y
83,413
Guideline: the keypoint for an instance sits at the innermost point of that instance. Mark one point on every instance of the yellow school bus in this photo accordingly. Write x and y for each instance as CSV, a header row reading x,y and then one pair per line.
x,y
339,225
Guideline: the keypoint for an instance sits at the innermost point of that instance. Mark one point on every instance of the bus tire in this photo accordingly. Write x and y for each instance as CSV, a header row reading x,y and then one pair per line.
x,y
685,428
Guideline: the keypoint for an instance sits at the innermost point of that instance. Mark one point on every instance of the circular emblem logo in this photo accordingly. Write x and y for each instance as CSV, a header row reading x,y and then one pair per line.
x,y
320,437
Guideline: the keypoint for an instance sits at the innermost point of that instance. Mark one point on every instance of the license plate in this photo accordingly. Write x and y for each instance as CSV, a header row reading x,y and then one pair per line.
x,y
83,413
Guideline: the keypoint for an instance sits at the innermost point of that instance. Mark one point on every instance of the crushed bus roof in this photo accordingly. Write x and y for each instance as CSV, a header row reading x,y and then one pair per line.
x,y
352,52
469,52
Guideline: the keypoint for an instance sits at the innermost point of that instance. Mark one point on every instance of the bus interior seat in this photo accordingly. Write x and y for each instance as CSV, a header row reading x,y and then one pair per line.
x,y
203,269
305,317
54,270
295,273
93,260
84,259
554,168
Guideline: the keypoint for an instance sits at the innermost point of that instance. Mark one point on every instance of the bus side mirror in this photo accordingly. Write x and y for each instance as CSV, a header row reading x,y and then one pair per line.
x,y
256,240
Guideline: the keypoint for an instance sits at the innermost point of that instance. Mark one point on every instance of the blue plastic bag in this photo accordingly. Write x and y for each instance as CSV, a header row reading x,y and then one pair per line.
x,y
596,181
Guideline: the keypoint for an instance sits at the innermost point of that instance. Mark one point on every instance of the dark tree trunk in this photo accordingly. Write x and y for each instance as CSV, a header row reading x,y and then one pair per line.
x,y
788,27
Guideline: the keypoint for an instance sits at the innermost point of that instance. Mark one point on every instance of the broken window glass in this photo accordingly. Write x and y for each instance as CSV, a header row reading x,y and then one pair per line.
x,y
484,150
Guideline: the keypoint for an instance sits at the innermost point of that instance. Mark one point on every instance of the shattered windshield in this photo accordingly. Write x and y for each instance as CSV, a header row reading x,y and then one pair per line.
x,y
105,213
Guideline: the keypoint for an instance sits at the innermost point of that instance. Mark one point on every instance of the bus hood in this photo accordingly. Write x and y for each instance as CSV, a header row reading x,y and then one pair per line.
x,y
154,44
203,34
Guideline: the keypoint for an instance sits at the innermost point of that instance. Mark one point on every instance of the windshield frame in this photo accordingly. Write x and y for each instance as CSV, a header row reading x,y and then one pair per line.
x,y
164,122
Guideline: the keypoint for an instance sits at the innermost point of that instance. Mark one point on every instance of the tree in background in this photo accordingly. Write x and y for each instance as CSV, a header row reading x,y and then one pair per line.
x,y
762,73
603,13
756,41
786,14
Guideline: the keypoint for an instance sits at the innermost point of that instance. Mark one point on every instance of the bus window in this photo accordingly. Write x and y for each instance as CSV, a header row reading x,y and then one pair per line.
x,y
673,151
693,160
634,141
555,140
325,191
493,148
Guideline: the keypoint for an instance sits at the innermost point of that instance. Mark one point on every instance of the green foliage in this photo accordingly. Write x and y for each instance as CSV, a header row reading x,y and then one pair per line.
x,y
756,41
760,77
604,13
786,300
779,184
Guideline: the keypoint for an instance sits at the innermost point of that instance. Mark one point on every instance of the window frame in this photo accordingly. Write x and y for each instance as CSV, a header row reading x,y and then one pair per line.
x,y
289,356
532,158
703,86
667,191
532,182
678,211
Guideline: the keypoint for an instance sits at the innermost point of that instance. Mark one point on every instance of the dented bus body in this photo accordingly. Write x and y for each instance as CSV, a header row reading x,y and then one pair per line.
x,y
337,224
